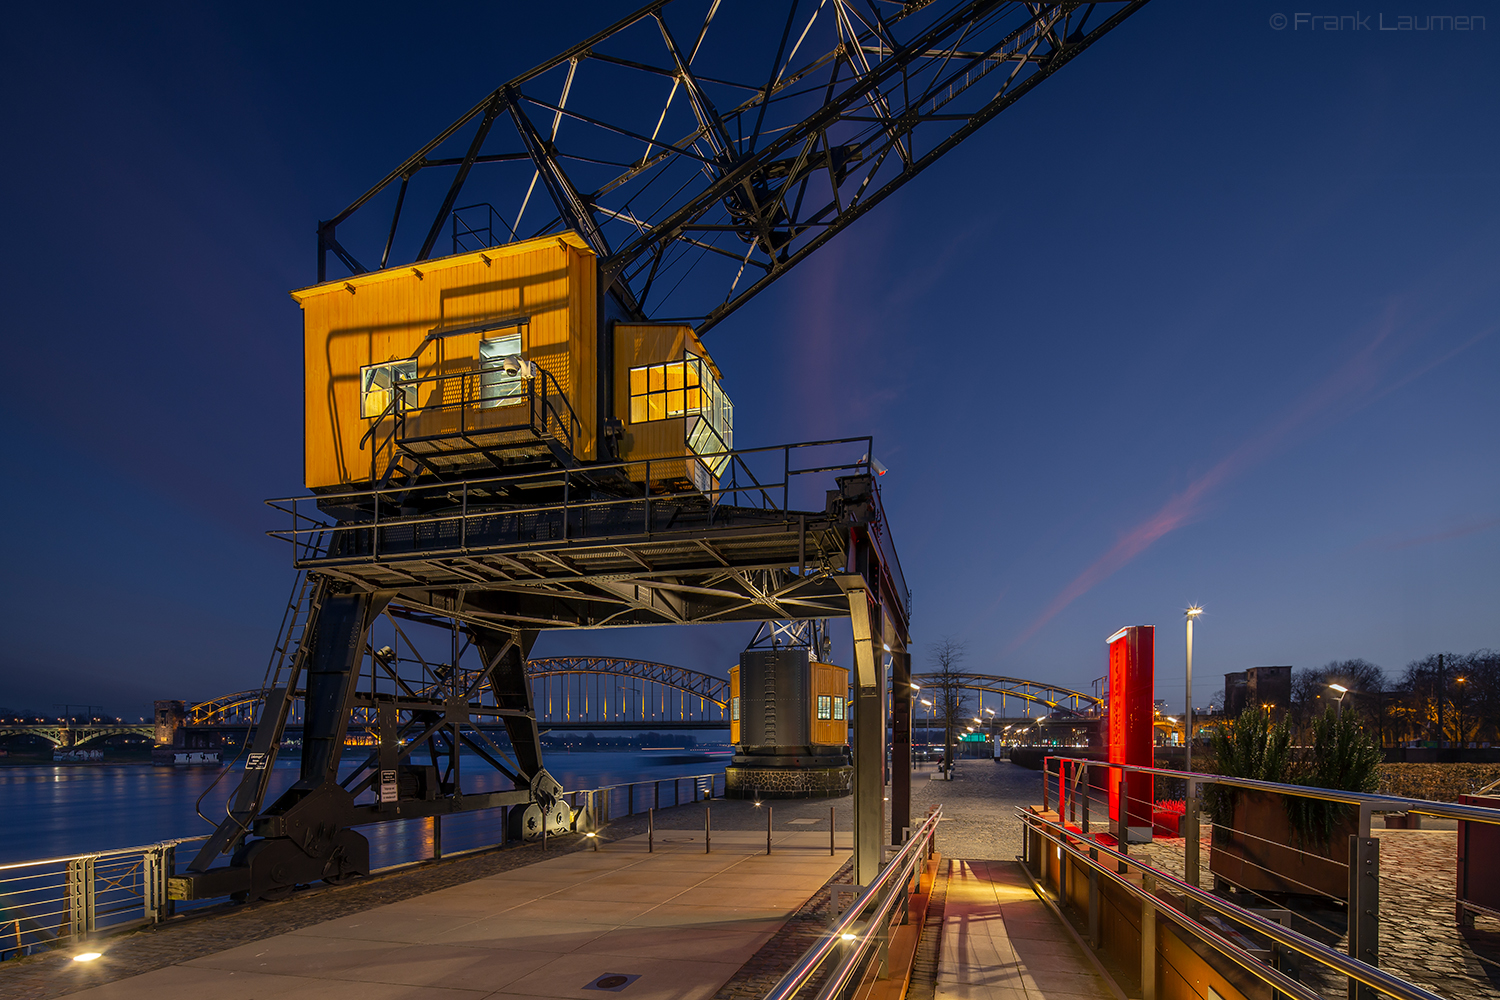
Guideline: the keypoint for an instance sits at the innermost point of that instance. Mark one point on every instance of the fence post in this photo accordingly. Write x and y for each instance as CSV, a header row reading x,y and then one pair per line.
x,y
651,831
656,801
1148,938
769,811
1088,790
1122,827
630,799
80,897
1094,936
437,836
1364,907
1190,832
830,831
154,874
707,830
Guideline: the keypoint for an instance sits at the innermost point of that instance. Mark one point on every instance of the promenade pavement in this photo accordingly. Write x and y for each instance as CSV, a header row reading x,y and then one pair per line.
x,y
675,924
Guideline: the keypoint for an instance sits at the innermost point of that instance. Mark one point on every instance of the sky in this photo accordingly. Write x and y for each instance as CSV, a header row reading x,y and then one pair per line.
x,y
1208,317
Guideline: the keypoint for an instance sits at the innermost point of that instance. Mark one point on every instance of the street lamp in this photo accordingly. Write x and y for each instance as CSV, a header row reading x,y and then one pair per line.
x,y
1342,692
1190,614
928,732
1460,734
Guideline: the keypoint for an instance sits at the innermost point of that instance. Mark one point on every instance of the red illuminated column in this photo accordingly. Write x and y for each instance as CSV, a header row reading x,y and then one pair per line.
x,y
1132,695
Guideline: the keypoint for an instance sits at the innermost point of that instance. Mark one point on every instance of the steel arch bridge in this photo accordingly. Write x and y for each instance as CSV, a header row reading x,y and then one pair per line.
x,y
568,692
1055,697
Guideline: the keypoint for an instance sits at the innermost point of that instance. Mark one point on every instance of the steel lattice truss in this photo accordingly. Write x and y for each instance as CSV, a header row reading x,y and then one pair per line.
x,y
691,682
703,147
1054,697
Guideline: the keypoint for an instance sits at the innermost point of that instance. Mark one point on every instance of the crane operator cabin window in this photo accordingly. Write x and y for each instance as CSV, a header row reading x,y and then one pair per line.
x,y
376,383
687,389
496,387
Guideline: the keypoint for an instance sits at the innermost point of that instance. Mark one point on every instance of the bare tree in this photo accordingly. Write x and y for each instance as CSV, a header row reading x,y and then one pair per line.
x,y
945,656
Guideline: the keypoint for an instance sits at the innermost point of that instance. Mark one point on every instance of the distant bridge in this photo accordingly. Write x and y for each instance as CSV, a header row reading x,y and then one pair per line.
x,y
591,693
569,693
72,734
1054,697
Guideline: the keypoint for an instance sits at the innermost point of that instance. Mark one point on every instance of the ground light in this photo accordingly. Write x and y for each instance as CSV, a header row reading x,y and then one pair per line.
x,y
847,937
87,956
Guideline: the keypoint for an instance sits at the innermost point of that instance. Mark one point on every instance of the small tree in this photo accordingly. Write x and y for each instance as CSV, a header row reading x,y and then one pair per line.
x,y
951,701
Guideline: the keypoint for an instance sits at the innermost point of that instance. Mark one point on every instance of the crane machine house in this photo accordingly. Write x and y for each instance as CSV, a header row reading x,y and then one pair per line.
x,y
496,360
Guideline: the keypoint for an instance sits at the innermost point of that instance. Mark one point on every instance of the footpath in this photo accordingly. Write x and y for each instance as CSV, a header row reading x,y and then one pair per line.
x,y
570,923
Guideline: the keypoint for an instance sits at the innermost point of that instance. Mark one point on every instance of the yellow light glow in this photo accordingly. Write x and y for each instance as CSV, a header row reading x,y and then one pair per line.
x,y
1193,612
87,956
847,937
1339,688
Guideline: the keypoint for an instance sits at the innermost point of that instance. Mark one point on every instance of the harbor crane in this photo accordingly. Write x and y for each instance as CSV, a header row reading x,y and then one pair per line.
x,y
512,422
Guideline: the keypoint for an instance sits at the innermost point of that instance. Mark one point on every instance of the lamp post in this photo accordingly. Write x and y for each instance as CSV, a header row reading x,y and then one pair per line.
x,y
928,731
1460,705
1190,614
1342,692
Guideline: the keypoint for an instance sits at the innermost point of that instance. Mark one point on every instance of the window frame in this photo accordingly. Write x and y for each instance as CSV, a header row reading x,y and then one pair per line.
x,y
496,388
734,709
838,708
401,369
825,707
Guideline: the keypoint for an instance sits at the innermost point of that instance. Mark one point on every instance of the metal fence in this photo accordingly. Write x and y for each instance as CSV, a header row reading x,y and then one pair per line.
x,y
56,901
1265,882
62,902
859,937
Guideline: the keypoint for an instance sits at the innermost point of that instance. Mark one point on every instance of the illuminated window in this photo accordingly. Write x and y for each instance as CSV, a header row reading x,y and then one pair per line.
x,y
825,707
686,389
496,388
376,383
734,709
838,708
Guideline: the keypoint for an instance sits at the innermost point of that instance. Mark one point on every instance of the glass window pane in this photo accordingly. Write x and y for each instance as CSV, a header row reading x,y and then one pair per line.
x,y
637,381
658,380
674,402
674,376
637,409
694,400
656,406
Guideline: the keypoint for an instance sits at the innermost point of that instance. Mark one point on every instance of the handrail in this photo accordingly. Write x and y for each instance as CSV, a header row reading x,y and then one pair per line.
x,y
593,470
13,865
1449,810
882,892
1369,975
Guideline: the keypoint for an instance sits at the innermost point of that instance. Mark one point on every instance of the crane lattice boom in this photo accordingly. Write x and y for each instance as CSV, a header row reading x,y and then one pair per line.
x,y
704,147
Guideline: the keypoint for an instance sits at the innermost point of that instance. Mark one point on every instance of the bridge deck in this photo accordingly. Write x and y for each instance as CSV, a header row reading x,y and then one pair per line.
x,y
681,920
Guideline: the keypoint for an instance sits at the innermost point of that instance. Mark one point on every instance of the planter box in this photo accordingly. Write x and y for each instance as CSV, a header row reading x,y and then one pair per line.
x,y
1259,851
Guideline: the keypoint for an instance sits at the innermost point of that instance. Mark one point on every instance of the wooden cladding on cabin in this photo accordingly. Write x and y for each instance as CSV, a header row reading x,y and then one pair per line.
x,y
545,289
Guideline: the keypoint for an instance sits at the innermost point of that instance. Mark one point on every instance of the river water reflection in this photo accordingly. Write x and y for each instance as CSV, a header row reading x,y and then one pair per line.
x,y
50,811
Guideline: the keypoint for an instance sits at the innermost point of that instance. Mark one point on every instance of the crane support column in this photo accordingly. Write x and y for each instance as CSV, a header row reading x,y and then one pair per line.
x,y
869,733
901,701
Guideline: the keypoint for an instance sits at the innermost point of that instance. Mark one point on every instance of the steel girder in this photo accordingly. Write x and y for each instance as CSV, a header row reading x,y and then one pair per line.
x,y
723,140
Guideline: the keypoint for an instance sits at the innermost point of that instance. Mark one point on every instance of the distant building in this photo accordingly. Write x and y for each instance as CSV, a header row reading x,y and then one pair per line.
x,y
1267,687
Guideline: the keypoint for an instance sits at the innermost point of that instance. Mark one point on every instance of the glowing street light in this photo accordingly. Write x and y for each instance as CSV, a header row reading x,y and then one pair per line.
x,y
1342,692
1190,614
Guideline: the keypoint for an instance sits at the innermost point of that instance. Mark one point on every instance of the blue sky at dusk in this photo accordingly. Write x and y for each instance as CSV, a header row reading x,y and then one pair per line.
x,y
1213,315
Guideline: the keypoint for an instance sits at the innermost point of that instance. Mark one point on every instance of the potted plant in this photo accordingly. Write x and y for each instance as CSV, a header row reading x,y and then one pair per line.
x,y
1271,842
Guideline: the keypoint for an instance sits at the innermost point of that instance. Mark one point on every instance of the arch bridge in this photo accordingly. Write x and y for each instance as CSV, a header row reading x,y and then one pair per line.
x,y
568,692
1030,693
63,734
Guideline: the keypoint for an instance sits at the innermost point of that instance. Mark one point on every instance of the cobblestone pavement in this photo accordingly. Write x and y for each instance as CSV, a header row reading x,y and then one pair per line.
x,y
980,803
1420,939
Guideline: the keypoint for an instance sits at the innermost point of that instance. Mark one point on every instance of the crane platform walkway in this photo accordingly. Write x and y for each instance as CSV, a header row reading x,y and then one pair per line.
x,y
673,924
1000,942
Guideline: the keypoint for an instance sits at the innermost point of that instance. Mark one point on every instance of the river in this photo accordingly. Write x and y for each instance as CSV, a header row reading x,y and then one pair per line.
x,y
57,810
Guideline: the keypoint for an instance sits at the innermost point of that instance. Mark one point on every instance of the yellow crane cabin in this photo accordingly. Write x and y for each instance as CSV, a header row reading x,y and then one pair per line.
x,y
497,361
